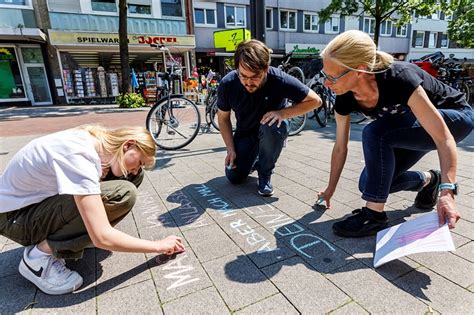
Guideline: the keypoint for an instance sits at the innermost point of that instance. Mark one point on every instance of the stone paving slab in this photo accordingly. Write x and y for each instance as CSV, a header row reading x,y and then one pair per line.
x,y
231,234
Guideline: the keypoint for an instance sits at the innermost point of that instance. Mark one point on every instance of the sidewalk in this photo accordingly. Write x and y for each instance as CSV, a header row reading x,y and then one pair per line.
x,y
247,254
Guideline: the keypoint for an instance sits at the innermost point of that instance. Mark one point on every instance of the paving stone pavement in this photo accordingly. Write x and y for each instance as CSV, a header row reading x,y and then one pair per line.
x,y
247,254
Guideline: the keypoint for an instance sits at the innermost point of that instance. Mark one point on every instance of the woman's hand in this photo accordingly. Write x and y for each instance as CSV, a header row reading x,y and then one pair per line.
x,y
170,245
447,209
326,196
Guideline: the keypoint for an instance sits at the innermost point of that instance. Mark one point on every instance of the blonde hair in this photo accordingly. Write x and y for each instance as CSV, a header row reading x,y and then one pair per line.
x,y
354,48
253,55
113,140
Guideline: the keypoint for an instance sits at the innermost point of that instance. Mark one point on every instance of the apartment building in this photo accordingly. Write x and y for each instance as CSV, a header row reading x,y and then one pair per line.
x,y
24,78
430,35
291,25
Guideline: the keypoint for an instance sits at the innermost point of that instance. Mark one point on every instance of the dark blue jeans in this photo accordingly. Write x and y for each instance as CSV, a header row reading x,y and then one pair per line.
x,y
266,144
394,143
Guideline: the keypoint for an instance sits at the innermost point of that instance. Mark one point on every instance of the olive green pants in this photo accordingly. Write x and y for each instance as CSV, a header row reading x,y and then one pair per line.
x,y
57,219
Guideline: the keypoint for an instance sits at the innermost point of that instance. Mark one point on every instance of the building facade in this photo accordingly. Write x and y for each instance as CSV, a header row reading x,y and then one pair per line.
x,y
24,76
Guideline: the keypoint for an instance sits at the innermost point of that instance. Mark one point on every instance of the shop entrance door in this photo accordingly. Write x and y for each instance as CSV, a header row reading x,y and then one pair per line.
x,y
37,85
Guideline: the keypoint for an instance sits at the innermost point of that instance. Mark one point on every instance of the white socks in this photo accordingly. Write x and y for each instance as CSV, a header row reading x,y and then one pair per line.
x,y
37,253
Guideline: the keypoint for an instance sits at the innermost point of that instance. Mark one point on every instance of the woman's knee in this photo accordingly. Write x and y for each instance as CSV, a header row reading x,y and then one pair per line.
x,y
119,193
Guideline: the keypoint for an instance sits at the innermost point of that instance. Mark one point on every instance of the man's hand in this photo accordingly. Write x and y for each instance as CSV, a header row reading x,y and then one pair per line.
x,y
230,158
447,209
272,117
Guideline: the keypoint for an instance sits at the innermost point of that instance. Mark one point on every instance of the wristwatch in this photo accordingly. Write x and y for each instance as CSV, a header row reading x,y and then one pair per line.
x,y
449,186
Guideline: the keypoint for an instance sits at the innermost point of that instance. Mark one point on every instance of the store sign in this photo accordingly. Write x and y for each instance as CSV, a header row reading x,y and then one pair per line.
x,y
303,50
5,54
229,39
73,38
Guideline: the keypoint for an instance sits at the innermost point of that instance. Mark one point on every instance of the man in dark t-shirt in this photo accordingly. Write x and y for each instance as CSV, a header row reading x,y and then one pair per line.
x,y
257,94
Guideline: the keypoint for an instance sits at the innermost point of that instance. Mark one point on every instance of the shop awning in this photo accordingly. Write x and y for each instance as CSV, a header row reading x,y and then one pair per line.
x,y
26,34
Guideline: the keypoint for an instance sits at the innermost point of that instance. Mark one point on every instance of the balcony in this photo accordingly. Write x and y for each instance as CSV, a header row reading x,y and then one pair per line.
x,y
110,24
15,17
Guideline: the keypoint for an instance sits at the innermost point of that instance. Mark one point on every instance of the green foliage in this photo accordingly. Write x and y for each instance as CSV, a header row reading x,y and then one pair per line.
x,y
130,100
400,12
461,27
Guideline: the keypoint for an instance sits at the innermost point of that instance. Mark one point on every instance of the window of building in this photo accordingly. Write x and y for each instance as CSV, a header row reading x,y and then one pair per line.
x,y
402,31
444,40
332,25
287,20
386,28
14,2
436,15
139,9
12,85
311,22
369,26
432,40
419,39
234,16
269,18
172,8
104,5
205,17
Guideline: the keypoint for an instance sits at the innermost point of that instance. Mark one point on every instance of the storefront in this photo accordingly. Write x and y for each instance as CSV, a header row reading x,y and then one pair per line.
x,y
24,80
90,63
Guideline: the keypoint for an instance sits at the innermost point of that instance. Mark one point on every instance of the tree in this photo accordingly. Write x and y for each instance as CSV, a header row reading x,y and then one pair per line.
x,y
123,47
461,27
383,10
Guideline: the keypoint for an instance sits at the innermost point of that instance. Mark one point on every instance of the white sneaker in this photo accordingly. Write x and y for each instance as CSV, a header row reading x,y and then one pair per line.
x,y
49,274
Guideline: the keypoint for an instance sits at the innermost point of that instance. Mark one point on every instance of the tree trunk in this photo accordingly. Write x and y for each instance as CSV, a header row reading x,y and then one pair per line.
x,y
123,44
377,31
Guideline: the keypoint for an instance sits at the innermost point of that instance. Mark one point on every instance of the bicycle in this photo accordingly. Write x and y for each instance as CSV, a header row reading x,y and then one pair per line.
x,y
297,123
174,120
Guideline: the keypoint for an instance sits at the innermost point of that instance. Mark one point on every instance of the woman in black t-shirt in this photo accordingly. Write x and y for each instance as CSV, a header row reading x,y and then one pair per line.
x,y
413,114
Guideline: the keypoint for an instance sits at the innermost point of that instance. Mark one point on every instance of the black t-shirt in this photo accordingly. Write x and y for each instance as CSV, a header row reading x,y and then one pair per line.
x,y
396,85
249,108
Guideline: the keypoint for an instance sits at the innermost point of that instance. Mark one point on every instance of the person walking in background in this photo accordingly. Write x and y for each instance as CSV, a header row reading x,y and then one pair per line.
x,y
65,191
413,114
257,94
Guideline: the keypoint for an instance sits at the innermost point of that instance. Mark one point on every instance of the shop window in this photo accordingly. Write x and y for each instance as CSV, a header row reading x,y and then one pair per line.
x,y
205,17
104,5
419,39
139,9
235,16
269,19
444,40
14,2
11,85
332,26
287,20
311,22
402,31
172,8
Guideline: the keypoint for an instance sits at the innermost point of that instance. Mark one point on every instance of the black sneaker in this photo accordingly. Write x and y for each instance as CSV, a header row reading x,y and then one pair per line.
x,y
265,187
362,223
428,196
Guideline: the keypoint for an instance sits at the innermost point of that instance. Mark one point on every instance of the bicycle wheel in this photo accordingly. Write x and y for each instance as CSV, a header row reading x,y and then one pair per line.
x,y
297,123
466,90
173,124
321,114
297,73
357,118
213,117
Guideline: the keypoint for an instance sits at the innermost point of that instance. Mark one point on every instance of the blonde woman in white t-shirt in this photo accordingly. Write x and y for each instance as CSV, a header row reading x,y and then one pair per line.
x,y
65,191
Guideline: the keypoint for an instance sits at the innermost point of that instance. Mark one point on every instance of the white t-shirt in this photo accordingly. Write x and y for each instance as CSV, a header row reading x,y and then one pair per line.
x,y
65,162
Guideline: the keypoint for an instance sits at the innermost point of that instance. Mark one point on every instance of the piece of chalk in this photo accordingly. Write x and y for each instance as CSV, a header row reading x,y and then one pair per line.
x,y
320,201
229,167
